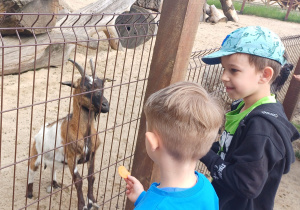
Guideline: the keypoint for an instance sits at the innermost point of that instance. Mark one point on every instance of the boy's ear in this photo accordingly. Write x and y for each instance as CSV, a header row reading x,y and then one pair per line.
x,y
267,74
152,139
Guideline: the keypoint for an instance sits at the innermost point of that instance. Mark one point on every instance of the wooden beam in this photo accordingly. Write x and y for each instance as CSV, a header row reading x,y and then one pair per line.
x,y
174,42
292,96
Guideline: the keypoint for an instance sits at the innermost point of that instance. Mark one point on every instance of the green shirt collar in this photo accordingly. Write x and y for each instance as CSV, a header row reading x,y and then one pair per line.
x,y
234,117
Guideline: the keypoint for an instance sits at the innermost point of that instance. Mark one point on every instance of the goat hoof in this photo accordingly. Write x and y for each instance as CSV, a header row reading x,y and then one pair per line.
x,y
55,185
49,189
85,208
91,205
29,195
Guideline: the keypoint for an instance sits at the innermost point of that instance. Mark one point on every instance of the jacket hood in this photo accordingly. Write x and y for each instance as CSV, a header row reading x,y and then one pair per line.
x,y
274,113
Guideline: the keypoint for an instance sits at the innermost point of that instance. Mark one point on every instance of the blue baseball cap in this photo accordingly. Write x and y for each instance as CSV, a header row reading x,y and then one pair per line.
x,y
254,40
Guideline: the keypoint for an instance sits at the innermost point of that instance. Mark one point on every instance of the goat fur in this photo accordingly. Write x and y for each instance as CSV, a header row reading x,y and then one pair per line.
x,y
73,139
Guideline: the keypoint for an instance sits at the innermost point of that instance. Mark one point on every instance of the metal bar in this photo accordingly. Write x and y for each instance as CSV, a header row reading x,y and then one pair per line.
x,y
169,63
17,120
115,66
2,87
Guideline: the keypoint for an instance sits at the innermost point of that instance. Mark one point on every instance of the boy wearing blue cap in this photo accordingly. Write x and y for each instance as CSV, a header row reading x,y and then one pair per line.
x,y
255,148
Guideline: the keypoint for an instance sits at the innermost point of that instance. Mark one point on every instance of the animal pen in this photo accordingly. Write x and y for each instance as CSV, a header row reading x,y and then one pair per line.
x,y
133,70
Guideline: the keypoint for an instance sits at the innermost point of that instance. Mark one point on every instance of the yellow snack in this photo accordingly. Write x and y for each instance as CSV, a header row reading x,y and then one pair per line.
x,y
123,172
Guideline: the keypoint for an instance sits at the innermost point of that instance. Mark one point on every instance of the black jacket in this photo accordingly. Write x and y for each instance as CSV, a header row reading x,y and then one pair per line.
x,y
259,153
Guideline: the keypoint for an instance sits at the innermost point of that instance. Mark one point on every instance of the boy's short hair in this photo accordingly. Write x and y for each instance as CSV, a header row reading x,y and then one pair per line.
x,y
252,40
185,117
260,63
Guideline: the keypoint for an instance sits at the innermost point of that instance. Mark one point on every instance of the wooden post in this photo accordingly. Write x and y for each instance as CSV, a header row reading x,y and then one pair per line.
x,y
174,42
292,96
289,9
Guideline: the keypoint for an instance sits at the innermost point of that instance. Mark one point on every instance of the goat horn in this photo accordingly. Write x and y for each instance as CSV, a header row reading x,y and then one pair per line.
x,y
109,80
92,66
80,69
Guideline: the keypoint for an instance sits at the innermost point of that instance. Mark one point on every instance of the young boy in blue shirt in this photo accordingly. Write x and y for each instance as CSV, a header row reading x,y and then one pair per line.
x,y
255,148
176,116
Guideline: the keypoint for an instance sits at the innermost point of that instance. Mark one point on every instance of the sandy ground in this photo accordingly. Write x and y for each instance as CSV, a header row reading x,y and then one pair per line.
x,y
116,143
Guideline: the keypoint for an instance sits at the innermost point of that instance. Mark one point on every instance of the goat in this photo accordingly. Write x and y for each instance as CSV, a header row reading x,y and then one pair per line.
x,y
76,140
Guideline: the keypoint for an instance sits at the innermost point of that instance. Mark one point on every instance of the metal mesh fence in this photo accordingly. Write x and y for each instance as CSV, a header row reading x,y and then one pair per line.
x,y
32,99
33,63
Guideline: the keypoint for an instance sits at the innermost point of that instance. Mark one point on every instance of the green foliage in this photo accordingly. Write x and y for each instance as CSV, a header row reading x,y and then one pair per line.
x,y
261,11
297,151
297,154
296,126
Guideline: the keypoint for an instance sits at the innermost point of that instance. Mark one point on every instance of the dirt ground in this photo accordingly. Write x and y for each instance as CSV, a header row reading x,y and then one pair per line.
x,y
117,146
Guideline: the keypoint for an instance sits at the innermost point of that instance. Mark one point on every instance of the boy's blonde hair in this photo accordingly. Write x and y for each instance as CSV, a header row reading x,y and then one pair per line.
x,y
186,118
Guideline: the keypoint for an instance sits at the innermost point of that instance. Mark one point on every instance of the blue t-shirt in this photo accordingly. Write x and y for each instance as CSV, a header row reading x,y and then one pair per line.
x,y
200,196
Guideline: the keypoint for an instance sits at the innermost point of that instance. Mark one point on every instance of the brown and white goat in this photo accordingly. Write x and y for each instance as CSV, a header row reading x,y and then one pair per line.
x,y
74,138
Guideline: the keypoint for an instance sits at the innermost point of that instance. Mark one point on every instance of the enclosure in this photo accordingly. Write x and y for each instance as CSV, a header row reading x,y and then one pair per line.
x,y
33,67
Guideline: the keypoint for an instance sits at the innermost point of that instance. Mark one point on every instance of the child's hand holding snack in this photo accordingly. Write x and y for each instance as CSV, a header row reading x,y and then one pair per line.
x,y
134,187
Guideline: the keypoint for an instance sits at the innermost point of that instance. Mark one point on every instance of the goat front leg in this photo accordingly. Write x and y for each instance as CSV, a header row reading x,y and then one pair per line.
x,y
91,202
53,184
78,183
33,167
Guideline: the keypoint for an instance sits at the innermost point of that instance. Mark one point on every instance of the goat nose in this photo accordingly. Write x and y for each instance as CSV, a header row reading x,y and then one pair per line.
x,y
104,107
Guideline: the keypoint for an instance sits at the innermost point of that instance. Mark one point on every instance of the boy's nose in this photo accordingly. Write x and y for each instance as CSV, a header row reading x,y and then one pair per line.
x,y
224,76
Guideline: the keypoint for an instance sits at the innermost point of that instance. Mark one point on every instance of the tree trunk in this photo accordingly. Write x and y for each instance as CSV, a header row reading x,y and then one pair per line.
x,y
100,22
26,21
229,11
154,5
31,57
216,16
206,12
135,30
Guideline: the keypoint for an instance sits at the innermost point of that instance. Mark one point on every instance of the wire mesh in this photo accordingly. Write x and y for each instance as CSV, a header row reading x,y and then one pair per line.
x,y
34,65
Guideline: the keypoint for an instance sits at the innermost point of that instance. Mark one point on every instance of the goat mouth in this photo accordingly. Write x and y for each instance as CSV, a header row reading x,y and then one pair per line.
x,y
105,107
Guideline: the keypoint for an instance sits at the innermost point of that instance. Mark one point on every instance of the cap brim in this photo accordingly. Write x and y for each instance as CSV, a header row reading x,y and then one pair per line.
x,y
215,58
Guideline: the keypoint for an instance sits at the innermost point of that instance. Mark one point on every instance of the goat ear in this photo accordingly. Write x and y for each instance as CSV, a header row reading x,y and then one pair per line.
x,y
68,83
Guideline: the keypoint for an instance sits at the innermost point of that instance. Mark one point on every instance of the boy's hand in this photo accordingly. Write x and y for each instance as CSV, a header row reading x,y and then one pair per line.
x,y
134,188
297,77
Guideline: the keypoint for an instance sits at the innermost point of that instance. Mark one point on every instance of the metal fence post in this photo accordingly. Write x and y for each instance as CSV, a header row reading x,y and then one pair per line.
x,y
292,96
174,42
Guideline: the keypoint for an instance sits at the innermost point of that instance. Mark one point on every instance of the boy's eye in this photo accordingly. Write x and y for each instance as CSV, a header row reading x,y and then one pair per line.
x,y
234,70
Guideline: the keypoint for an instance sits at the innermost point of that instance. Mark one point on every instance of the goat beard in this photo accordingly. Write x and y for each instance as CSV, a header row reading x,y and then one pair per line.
x,y
97,115
94,109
